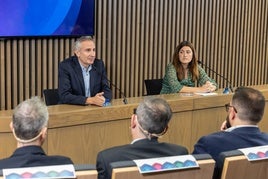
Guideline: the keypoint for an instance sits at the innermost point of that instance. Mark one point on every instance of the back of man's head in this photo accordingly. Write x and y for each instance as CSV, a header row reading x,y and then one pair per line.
x,y
249,104
154,115
29,118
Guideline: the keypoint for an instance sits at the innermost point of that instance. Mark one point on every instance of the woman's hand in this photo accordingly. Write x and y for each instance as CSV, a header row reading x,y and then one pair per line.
x,y
209,87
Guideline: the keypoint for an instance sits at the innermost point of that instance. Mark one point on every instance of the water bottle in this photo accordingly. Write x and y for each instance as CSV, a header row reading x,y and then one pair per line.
x,y
107,102
226,90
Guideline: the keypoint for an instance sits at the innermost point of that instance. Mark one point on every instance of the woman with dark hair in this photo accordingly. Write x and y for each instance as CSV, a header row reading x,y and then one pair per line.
x,y
184,74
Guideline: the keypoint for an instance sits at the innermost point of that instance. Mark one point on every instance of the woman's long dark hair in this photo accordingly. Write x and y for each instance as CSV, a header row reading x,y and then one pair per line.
x,y
192,66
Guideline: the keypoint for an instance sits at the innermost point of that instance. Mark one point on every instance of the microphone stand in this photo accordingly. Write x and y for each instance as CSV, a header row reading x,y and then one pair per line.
x,y
227,89
122,94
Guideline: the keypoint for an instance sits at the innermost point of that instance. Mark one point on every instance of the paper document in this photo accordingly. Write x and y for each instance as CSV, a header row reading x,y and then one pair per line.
x,y
206,94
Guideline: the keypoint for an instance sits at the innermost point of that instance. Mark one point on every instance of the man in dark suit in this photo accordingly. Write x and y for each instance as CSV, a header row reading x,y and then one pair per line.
x,y
240,129
149,122
82,78
29,127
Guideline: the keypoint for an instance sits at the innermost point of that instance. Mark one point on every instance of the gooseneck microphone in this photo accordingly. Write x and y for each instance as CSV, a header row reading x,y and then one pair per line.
x,y
229,86
122,94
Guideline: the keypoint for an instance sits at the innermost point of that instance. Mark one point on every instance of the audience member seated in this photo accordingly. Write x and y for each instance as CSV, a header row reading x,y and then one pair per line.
x,y
240,130
29,127
148,122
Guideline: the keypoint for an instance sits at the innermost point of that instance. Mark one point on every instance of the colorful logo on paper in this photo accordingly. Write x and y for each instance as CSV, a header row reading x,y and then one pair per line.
x,y
50,174
168,165
258,155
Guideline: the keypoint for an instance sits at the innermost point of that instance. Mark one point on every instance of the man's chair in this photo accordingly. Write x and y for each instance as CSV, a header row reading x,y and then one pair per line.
x,y
236,165
85,171
128,169
153,86
51,96
82,171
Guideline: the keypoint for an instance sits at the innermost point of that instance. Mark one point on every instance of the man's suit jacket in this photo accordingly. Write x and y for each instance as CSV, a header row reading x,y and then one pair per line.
x,y
31,156
218,142
141,149
223,141
71,83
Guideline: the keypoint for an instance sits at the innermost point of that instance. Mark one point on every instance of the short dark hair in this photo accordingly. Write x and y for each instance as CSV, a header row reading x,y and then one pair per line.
x,y
154,115
250,104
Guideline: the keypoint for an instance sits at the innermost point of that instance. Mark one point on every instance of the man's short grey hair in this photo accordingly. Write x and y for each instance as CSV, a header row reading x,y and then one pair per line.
x,y
154,115
29,118
77,43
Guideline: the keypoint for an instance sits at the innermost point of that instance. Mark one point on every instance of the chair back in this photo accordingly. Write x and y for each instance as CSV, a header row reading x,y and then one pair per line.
x,y
128,169
85,171
82,171
87,174
51,96
153,86
238,166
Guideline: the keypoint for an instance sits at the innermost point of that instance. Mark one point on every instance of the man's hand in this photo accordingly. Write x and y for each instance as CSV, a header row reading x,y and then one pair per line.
x,y
223,126
97,100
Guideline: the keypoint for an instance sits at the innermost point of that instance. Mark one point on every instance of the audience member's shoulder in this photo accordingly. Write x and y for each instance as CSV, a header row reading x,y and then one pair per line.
x,y
264,135
220,135
3,162
181,148
60,159
116,149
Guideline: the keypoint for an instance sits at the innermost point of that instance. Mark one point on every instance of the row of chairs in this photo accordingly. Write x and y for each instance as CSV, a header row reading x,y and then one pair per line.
x,y
235,165
153,87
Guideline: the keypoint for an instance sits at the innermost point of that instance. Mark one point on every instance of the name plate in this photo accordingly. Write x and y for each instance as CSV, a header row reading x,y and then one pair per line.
x,y
44,172
166,163
255,153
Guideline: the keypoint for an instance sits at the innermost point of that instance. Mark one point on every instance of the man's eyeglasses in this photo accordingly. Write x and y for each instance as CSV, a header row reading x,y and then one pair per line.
x,y
227,106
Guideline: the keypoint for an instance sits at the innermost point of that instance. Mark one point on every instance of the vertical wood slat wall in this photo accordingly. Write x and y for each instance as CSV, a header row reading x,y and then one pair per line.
x,y
136,39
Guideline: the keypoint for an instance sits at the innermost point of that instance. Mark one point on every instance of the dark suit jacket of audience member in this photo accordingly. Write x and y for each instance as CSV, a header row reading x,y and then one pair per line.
x,y
31,156
141,149
71,83
218,142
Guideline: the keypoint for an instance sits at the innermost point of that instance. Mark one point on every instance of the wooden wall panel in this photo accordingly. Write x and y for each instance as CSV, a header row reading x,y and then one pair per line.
x,y
136,40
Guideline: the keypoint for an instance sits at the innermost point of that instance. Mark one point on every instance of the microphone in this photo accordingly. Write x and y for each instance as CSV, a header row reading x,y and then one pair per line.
x,y
226,90
122,94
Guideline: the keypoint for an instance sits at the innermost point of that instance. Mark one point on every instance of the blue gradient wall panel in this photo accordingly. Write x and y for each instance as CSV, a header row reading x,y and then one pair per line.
x,y
46,17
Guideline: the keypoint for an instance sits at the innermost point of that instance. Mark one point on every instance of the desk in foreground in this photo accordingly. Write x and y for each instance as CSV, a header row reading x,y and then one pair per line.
x,y
80,132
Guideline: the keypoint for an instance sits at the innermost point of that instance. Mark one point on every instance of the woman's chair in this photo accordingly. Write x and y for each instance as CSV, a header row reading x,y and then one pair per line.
x,y
51,96
153,86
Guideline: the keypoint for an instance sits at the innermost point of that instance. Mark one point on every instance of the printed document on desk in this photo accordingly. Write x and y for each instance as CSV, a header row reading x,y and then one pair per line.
x,y
206,94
